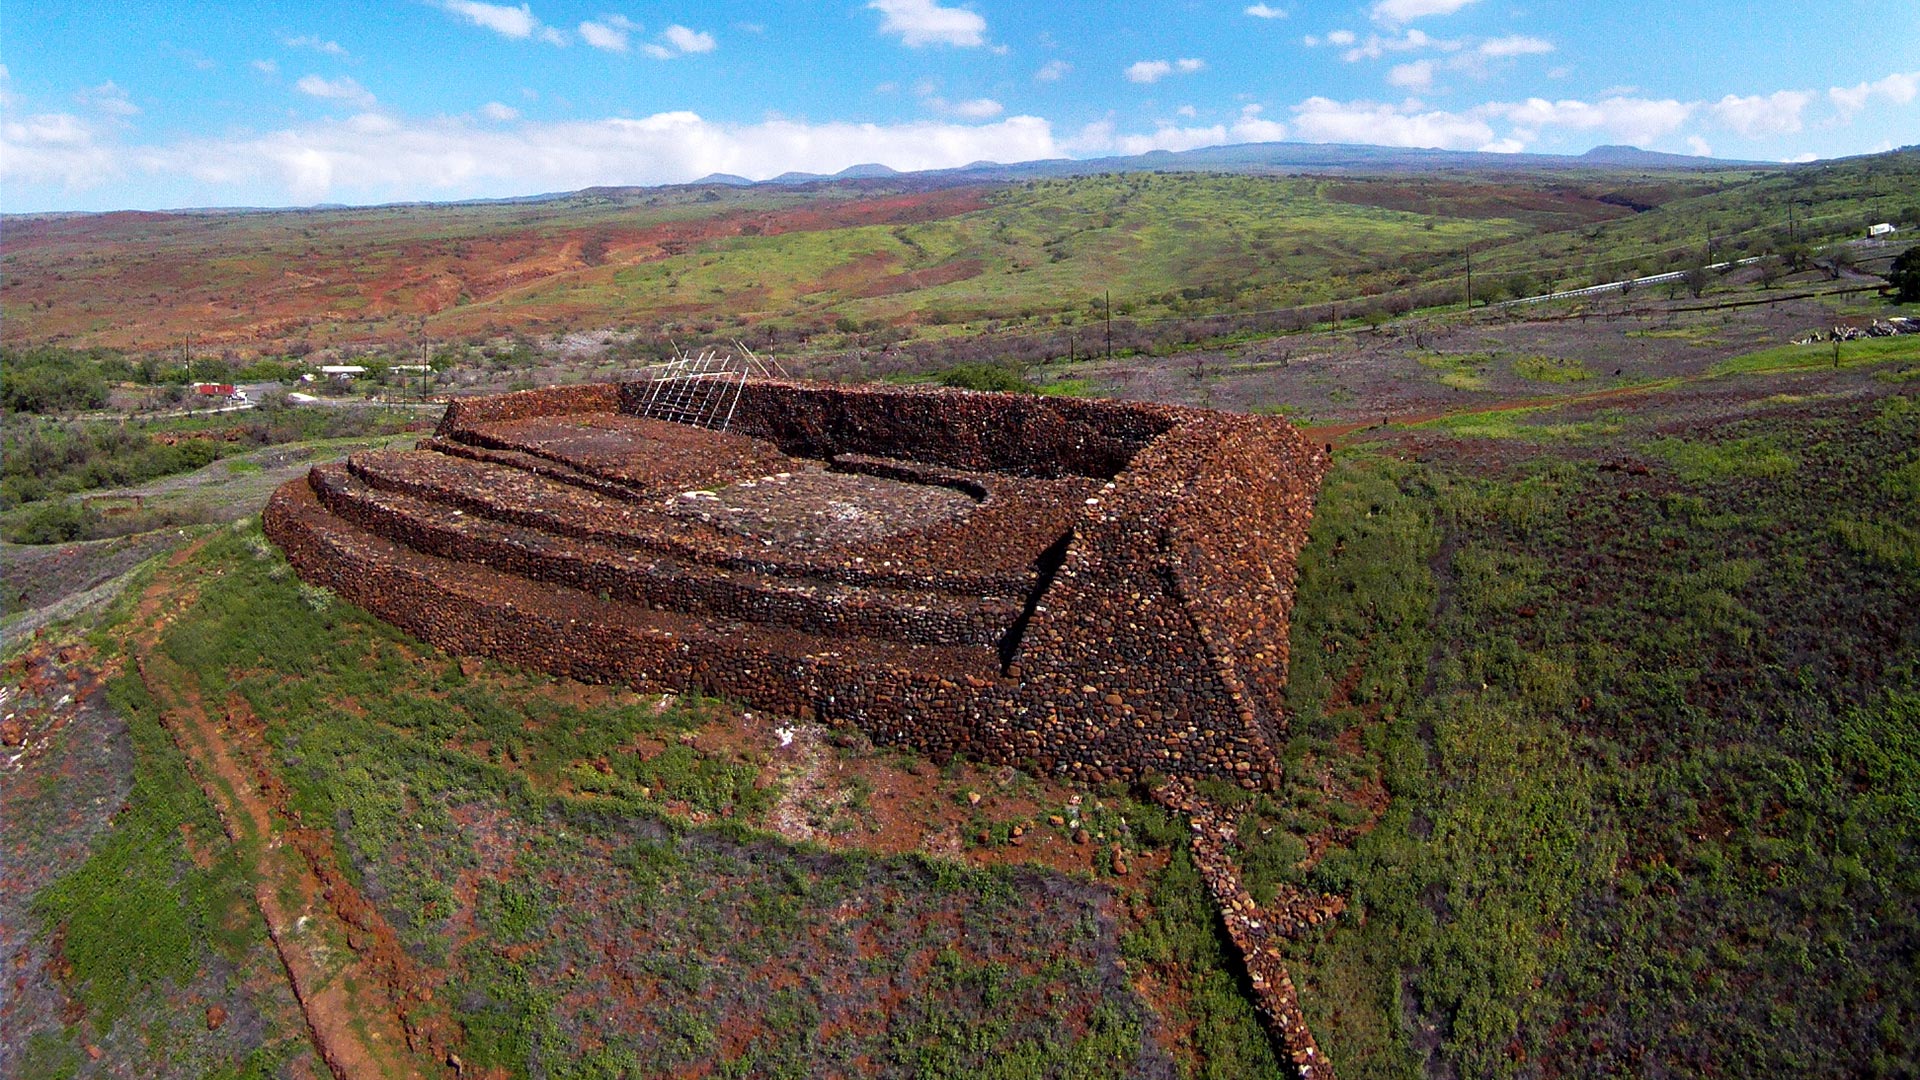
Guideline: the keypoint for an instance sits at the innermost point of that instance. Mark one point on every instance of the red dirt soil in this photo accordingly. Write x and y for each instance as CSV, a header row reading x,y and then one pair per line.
x,y
167,275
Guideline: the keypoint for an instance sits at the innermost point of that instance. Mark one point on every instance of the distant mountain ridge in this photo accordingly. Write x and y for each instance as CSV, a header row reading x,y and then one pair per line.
x,y
1260,157
1276,157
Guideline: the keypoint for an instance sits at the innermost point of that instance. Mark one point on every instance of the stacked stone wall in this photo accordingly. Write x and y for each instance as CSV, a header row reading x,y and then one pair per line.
x,y
1140,629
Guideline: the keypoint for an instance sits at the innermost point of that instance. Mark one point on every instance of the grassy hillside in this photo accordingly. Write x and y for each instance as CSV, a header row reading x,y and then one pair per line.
x,y
1646,696
872,253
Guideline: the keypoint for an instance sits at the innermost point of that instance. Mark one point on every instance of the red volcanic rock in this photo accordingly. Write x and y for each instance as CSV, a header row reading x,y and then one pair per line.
x,y
1094,588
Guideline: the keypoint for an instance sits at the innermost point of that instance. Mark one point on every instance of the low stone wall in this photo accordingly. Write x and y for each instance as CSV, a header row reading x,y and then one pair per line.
x,y
1142,624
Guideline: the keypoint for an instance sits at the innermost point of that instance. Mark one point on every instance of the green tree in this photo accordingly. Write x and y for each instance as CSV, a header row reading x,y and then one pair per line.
x,y
1904,276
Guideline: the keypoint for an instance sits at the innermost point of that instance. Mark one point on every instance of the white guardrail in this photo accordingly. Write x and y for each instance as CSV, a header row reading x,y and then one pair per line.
x,y
1617,286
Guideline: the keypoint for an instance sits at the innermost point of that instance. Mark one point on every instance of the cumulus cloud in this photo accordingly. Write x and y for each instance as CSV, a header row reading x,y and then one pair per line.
x,y
494,110
1376,46
978,109
925,22
108,98
343,89
1623,119
376,158
605,36
308,41
54,148
1777,113
1319,119
1699,146
677,40
1515,45
1396,12
1899,89
1103,137
1152,71
1052,71
511,22
1263,11
267,67
1417,75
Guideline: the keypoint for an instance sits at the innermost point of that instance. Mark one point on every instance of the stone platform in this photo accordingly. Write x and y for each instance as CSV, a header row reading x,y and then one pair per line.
x,y
1092,588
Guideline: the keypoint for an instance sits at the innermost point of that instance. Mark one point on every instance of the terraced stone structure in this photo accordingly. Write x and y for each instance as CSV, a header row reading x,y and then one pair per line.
x,y
1093,588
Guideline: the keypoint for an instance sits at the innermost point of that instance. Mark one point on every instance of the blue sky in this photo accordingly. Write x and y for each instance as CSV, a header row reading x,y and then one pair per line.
x,y
155,105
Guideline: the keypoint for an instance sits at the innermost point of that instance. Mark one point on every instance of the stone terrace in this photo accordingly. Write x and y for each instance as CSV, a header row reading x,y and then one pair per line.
x,y
1093,588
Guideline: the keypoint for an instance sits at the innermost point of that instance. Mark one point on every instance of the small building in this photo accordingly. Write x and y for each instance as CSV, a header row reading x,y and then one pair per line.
x,y
343,372
1885,228
213,389
411,369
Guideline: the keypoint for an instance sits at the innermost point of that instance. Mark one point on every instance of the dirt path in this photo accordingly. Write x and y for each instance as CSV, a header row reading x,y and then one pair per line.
x,y
357,988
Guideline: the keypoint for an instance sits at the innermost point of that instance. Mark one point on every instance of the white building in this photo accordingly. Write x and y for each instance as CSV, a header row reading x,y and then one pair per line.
x,y
1874,232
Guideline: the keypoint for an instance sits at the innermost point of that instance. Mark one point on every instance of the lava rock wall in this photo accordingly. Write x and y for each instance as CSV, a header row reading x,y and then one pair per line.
x,y
1153,637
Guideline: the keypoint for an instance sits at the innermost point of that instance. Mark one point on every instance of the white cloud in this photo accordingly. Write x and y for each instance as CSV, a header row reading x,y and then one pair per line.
x,y
677,40
308,41
1897,88
512,22
978,109
1777,113
1187,111
267,67
517,23
1632,120
494,110
1802,159
1376,46
1052,71
1148,71
689,41
1263,11
1102,138
604,36
1342,37
1152,71
1319,119
1417,75
925,22
1504,146
1396,12
54,148
1699,146
1252,128
376,159
343,88
108,98
1515,45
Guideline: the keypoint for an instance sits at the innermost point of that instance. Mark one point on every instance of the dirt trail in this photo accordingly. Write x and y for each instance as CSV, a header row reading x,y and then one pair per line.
x,y
358,990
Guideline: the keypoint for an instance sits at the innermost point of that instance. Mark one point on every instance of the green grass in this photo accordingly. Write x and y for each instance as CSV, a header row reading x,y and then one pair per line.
x,y
1821,354
413,762
138,917
1652,766
1757,457
1462,371
1549,369
1521,424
